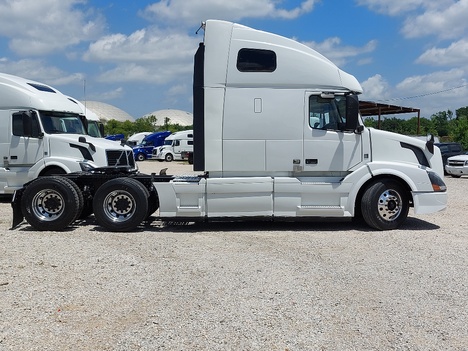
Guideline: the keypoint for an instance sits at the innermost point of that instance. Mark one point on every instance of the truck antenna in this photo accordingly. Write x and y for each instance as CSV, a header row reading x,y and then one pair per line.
x,y
202,26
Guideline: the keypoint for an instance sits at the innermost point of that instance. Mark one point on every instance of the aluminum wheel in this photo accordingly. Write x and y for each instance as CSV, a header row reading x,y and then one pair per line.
x,y
389,205
119,206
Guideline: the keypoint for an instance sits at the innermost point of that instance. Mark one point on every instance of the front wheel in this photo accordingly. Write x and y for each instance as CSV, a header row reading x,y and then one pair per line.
x,y
121,204
140,157
385,204
169,157
51,203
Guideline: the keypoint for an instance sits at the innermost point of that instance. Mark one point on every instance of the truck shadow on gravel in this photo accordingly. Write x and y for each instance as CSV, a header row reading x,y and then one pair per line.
x,y
323,225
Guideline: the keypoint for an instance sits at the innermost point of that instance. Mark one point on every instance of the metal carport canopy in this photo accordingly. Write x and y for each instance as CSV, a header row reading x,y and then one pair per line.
x,y
370,108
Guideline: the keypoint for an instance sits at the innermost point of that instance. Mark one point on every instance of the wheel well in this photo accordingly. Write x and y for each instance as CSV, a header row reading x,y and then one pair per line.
x,y
49,170
357,207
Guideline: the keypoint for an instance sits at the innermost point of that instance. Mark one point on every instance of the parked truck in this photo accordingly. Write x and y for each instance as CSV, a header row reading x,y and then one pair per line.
x,y
44,132
175,147
144,150
137,138
277,136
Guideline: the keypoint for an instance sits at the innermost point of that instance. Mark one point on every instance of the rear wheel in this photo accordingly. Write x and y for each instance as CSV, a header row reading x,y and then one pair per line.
x,y
121,204
51,203
385,204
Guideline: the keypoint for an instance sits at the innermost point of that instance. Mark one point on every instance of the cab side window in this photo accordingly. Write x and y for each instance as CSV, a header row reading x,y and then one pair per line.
x,y
256,60
326,113
25,125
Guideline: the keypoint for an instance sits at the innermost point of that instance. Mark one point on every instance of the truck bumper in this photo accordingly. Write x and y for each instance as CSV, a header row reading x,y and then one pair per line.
x,y
457,171
425,203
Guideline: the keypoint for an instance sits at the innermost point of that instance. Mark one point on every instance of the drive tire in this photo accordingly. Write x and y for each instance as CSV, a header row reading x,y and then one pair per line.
x,y
51,203
121,204
385,204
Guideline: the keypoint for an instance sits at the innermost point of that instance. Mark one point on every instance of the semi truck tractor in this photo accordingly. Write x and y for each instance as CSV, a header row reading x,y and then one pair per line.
x,y
176,147
145,149
277,136
44,132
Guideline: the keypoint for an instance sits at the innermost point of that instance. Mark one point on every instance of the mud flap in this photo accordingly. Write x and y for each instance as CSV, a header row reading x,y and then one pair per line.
x,y
17,211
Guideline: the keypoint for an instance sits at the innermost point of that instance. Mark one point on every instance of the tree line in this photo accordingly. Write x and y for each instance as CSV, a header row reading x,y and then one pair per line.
x,y
143,124
444,124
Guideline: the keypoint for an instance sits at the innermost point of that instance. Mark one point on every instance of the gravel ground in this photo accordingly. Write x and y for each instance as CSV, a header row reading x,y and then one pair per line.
x,y
244,286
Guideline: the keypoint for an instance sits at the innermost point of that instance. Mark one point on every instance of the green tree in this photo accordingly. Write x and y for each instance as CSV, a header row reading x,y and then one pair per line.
x,y
144,124
441,122
459,132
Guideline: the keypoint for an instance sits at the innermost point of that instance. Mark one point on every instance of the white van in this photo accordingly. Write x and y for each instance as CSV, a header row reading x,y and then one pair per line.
x,y
175,147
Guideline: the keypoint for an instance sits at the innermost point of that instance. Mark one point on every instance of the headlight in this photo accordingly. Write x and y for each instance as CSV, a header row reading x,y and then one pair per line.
x,y
85,166
437,182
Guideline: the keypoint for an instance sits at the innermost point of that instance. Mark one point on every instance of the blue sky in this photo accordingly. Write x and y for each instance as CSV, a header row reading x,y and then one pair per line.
x,y
137,55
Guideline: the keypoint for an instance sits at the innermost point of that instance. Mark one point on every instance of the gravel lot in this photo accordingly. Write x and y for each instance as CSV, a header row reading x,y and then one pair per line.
x,y
243,286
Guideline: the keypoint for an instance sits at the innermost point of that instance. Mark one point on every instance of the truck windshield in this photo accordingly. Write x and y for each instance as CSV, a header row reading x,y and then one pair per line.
x,y
327,113
93,129
57,122
167,142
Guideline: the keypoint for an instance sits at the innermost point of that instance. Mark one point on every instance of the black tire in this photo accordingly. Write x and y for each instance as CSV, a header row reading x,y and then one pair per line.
x,y
140,157
190,158
51,203
385,204
121,204
456,175
169,157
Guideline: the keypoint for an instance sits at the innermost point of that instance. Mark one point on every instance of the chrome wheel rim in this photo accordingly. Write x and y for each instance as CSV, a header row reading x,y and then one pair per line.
x,y
48,205
119,206
389,205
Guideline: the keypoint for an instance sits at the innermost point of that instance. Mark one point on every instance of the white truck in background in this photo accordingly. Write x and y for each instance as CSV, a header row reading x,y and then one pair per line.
x,y
44,132
175,147
137,138
277,136
94,126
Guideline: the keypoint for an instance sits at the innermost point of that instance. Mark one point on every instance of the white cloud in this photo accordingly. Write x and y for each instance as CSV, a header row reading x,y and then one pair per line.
x,y
146,45
108,95
399,7
150,55
440,82
332,49
376,88
445,22
393,7
40,71
185,12
454,55
39,27
443,18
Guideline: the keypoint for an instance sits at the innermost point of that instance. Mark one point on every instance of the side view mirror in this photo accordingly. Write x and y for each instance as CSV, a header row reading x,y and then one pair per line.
x,y
352,113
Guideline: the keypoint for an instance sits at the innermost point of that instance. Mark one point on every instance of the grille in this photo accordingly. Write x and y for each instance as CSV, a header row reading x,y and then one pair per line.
x,y
120,158
456,163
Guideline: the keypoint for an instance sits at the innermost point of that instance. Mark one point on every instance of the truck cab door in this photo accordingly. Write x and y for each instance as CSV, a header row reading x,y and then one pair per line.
x,y
27,143
330,146
176,146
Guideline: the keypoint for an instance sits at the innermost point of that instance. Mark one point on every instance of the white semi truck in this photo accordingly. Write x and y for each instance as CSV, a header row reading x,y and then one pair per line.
x,y
44,132
277,136
176,146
